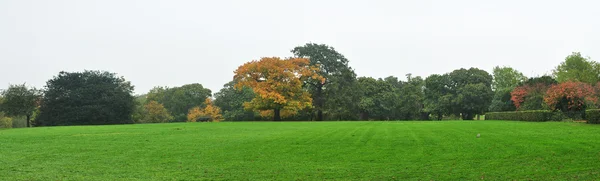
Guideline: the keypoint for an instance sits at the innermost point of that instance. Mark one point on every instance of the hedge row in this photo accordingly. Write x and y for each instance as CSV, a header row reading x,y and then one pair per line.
x,y
534,116
593,116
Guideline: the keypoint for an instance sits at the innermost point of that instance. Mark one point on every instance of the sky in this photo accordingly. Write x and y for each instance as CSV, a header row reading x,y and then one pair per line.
x,y
176,42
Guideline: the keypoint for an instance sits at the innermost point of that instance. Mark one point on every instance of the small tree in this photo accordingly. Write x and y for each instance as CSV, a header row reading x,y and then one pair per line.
x,y
570,96
208,113
19,100
156,113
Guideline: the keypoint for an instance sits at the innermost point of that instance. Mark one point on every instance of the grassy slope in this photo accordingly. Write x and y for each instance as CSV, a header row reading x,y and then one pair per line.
x,y
304,150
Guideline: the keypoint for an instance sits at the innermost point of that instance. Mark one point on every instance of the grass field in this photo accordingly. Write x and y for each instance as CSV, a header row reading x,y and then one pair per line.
x,y
439,150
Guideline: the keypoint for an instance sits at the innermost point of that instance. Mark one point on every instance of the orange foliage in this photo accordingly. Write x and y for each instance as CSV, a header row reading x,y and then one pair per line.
x,y
277,83
209,113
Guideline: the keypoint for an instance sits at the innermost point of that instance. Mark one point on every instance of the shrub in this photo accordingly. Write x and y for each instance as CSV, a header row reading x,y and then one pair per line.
x,y
593,116
533,116
5,122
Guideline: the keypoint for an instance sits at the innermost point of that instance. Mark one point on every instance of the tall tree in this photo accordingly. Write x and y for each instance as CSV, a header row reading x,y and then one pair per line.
x,y
473,91
178,100
20,100
577,68
463,92
333,66
438,95
377,98
277,84
86,98
506,77
505,80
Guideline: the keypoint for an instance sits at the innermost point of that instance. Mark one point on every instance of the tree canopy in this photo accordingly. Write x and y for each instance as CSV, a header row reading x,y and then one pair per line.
x,y
20,100
462,92
86,98
278,84
333,66
179,100
577,68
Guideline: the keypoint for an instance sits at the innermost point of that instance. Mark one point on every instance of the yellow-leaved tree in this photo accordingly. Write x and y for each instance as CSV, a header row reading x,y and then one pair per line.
x,y
156,113
209,113
277,84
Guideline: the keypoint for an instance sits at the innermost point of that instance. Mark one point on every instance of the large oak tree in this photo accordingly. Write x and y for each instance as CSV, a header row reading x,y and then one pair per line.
x,y
278,84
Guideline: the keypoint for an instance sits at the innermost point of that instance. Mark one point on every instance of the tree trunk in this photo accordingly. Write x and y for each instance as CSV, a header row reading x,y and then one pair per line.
x,y
478,116
319,102
276,115
28,117
364,116
439,116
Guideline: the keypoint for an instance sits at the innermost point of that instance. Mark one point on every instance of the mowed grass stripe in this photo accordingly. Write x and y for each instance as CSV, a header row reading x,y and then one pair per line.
x,y
434,150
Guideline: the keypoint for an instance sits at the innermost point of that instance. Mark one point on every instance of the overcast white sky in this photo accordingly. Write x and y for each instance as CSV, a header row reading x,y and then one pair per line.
x,y
175,42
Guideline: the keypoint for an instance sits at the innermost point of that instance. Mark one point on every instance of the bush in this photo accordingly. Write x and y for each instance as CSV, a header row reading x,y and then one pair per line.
x,y
5,122
533,116
593,116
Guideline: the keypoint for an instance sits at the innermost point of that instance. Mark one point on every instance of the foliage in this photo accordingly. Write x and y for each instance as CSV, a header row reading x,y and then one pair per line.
x,y
438,95
231,102
86,98
473,99
534,116
530,95
544,80
390,99
502,101
178,100
506,78
139,111
578,69
155,112
592,116
464,92
208,113
333,67
5,122
20,100
570,96
277,84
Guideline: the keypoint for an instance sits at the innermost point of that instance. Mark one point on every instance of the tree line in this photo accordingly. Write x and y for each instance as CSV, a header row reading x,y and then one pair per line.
x,y
314,83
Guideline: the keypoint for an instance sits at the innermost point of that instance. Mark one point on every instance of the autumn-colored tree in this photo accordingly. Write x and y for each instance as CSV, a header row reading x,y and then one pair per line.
x,y
529,95
570,96
277,84
208,113
155,113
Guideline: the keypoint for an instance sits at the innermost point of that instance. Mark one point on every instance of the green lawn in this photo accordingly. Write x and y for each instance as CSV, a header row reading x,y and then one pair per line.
x,y
437,150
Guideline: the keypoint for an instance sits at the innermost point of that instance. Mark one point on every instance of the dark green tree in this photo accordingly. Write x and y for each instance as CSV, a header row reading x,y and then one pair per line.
x,y
462,92
438,95
231,102
20,100
179,100
375,98
334,68
473,92
86,98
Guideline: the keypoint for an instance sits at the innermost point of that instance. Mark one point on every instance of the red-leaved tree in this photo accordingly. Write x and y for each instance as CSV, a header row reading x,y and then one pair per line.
x,y
570,96
532,93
